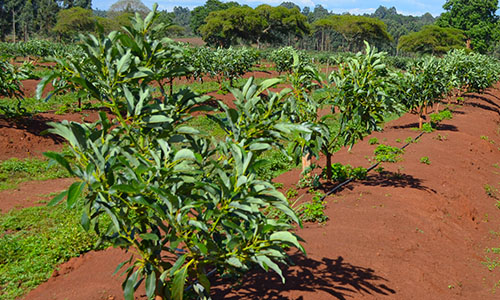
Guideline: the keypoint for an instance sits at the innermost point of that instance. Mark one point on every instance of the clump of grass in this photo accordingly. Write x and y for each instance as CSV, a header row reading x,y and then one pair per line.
x,y
15,171
34,241
373,141
385,153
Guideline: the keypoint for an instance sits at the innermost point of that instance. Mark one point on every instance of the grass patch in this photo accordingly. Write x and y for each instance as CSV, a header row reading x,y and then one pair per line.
x,y
67,102
34,241
14,171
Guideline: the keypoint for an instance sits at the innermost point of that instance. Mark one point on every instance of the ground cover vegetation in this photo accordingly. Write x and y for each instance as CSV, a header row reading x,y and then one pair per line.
x,y
147,170
155,178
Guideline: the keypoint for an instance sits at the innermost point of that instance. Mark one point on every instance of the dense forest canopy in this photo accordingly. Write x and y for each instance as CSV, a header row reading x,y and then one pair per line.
x,y
230,23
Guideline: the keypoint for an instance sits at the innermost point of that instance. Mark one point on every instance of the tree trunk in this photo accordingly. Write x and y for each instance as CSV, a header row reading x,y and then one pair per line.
x,y
328,156
306,163
420,119
171,86
14,24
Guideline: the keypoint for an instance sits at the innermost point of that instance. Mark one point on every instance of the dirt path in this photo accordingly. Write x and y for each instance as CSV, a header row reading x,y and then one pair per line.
x,y
33,193
414,231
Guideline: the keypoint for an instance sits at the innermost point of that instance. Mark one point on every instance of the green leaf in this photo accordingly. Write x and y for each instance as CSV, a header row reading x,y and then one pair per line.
x,y
184,154
128,290
286,236
158,119
124,188
178,263
57,199
234,261
60,160
265,262
151,285
178,284
74,192
85,221
149,236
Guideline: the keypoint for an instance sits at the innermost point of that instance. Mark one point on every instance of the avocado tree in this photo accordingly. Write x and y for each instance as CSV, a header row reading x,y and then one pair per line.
x,y
358,97
424,83
185,204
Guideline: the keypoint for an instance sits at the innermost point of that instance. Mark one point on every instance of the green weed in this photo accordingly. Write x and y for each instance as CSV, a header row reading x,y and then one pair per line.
x,y
425,160
34,241
15,171
373,141
385,153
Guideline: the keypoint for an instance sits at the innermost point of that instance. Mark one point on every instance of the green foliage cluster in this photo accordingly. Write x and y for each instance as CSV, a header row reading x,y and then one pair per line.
x,y
440,116
432,39
38,49
165,186
264,24
313,211
342,172
222,63
385,153
34,241
354,30
14,171
470,72
477,19
10,81
283,59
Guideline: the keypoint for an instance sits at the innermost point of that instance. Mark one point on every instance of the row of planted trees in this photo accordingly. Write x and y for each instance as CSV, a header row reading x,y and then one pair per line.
x,y
186,203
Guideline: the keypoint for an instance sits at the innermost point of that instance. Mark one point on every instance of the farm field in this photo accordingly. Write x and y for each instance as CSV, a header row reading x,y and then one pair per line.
x,y
418,229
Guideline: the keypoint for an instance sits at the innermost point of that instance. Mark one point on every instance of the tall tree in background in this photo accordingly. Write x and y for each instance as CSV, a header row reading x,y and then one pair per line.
x,y
281,24
477,18
87,4
230,26
354,30
26,19
128,6
75,20
433,40
13,8
46,16
200,13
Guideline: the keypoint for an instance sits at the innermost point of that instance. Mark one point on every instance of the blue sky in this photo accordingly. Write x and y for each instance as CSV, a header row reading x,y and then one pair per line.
x,y
407,7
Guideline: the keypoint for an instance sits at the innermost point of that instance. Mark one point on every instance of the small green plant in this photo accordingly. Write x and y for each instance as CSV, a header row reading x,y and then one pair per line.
x,y
426,127
441,137
385,153
490,191
425,160
398,140
291,193
373,141
313,211
409,139
487,138
342,172
309,180
436,118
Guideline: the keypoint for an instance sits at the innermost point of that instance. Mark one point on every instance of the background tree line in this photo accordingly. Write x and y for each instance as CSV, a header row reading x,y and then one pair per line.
x,y
472,24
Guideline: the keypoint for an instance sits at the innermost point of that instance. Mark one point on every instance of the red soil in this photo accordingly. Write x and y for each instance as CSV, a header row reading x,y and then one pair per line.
x,y
25,137
414,231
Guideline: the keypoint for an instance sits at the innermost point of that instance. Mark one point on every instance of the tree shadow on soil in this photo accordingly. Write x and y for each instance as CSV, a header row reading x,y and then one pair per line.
x,y
394,179
35,125
333,276
491,107
442,127
492,95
